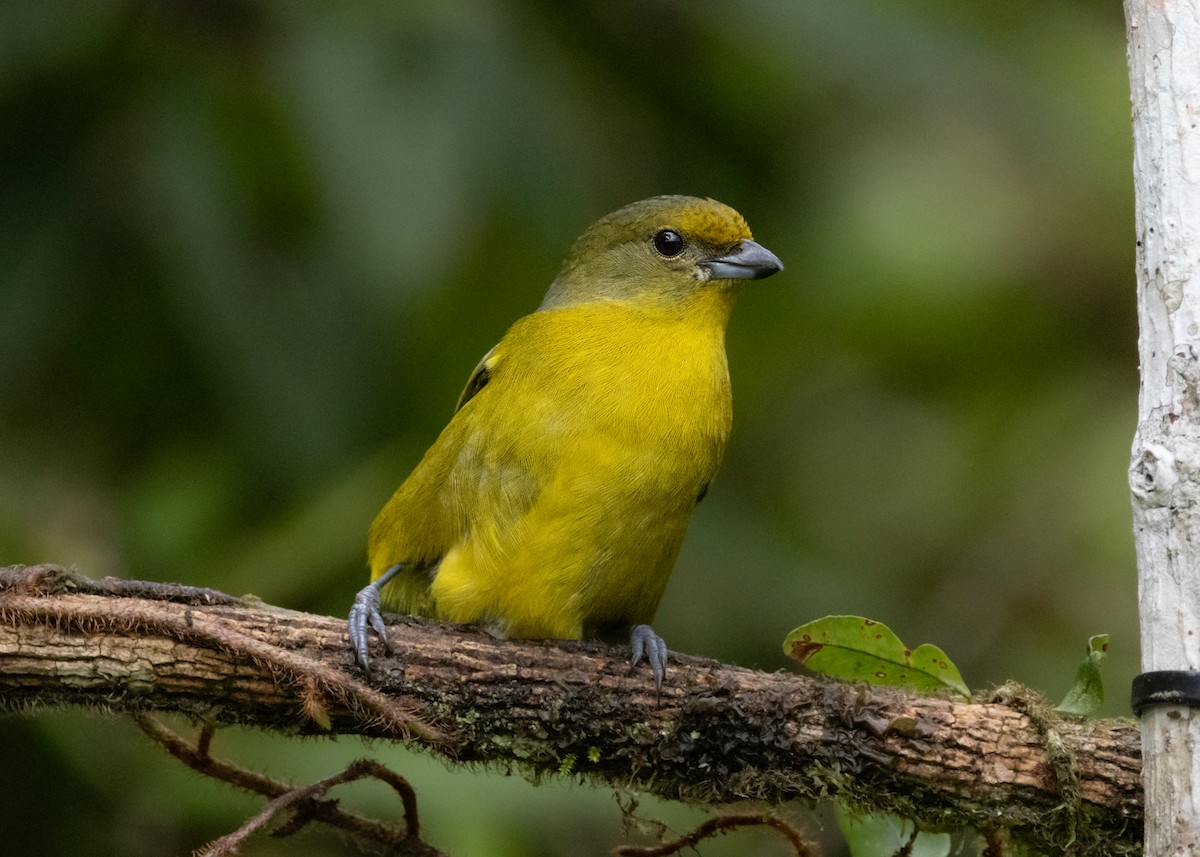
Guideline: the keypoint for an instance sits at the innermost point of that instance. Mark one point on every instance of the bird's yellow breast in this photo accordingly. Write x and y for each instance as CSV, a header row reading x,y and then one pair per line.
x,y
557,498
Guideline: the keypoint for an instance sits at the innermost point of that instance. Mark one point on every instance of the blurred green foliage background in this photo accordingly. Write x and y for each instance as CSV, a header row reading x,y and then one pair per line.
x,y
249,252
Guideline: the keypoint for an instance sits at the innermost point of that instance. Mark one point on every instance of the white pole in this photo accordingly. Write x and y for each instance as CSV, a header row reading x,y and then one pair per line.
x,y
1164,75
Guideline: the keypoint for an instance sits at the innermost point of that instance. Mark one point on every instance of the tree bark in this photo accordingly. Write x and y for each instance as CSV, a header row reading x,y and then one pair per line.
x,y
718,734
1164,73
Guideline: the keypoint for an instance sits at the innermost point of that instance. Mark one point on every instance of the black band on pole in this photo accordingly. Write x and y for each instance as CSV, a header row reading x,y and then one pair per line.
x,y
1165,687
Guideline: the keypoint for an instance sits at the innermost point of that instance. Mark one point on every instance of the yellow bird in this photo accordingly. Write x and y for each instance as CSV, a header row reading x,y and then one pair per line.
x,y
555,501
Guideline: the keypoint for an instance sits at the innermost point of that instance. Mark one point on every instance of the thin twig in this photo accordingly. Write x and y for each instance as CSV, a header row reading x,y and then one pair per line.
x,y
714,827
308,802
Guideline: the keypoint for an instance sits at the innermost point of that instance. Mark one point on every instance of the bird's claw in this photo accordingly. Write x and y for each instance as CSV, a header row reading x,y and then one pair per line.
x,y
365,611
646,643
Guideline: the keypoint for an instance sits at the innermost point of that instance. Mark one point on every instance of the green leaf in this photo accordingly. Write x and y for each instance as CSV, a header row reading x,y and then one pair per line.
x,y
870,834
1086,696
858,649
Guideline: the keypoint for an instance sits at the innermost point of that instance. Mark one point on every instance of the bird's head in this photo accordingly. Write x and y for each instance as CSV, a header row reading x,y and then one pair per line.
x,y
661,251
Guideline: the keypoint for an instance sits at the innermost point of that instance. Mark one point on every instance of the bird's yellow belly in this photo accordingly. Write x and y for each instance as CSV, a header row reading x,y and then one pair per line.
x,y
596,548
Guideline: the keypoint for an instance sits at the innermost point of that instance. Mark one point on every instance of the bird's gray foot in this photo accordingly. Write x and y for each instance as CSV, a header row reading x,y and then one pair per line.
x,y
365,611
646,643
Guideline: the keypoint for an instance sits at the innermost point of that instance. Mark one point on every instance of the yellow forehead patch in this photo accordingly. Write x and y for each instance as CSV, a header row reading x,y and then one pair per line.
x,y
713,223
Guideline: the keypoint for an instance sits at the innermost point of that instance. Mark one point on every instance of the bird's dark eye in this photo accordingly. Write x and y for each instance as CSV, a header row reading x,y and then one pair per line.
x,y
668,242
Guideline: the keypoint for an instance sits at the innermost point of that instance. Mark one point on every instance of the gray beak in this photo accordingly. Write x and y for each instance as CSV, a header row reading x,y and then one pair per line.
x,y
746,261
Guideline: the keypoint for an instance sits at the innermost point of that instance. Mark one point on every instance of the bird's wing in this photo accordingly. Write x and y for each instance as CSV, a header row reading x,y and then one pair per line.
x,y
475,478
479,377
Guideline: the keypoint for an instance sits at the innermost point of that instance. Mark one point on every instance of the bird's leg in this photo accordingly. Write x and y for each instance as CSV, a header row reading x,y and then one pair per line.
x,y
645,642
366,610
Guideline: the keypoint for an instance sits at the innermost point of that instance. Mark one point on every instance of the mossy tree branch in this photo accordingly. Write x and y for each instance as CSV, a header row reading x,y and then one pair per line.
x,y
719,733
